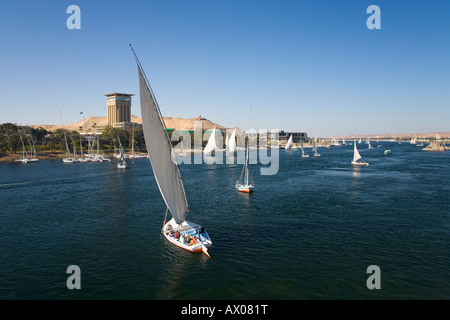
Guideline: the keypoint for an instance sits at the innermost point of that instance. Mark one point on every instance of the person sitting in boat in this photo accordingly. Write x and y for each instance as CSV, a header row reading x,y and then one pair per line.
x,y
182,238
176,235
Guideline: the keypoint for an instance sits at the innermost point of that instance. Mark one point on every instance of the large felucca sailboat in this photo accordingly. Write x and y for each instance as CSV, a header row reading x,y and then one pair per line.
x,y
178,231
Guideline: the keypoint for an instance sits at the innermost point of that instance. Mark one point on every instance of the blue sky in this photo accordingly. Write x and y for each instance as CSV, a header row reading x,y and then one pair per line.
x,y
309,66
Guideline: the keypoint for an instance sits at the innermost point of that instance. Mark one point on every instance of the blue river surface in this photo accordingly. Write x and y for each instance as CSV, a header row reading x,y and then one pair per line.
x,y
308,232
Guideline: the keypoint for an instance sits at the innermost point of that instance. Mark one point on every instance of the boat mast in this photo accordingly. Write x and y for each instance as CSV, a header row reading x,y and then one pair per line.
x,y
24,151
33,149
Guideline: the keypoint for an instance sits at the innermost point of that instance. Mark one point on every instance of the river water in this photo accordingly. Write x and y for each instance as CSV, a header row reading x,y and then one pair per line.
x,y
308,232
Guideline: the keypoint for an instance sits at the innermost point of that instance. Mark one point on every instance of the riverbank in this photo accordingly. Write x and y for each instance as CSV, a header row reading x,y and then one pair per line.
x,y
49,155
44,155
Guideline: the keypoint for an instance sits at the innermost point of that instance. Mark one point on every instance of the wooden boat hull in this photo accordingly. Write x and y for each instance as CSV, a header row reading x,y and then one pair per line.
x,y
246,189
360,163
191,240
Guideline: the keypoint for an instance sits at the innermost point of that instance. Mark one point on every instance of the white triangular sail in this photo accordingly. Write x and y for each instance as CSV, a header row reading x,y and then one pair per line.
x,y
231,143
314,146
356,155
159,148
211,144
301,146
289,143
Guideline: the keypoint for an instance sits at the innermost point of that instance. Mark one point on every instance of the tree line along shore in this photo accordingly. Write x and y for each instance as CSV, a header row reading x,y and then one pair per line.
x,y
52,144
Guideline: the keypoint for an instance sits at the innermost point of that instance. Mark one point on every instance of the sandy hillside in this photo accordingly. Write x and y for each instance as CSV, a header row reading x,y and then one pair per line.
x,y
171,122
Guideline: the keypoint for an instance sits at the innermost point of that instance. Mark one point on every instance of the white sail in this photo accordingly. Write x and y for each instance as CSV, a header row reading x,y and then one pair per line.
x,y
356,155
301,145
159,148
231,143
211,144
289,143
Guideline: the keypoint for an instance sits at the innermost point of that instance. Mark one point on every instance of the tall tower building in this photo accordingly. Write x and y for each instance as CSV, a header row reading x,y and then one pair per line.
x,y
119,108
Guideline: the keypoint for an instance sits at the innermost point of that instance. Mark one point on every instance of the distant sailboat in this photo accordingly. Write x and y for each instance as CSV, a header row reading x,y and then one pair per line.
x,y
122,164
181,152
288,145
33,152
82,158
133,154
68,158
334,142
303,151
178,231
316,154
230,144
245,186
24,158
357,159
211,146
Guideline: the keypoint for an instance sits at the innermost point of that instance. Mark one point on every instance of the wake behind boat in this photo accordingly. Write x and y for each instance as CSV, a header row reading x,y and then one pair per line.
x,y
178,231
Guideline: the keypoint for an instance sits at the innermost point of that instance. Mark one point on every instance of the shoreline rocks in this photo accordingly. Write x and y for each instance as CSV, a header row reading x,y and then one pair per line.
x,y
436,147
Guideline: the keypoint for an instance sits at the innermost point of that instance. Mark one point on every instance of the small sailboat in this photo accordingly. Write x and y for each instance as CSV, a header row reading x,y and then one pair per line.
x,y
245,186
230,145
303,151
289,143
178,231
133,154
68,158
122,164
369,145
182,153
334,142
33,152
211,146
316,154
357,159
24,158
82,158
